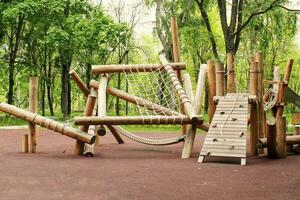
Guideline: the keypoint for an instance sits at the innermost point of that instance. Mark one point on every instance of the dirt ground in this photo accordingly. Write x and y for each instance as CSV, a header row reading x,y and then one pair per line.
x,y
135,171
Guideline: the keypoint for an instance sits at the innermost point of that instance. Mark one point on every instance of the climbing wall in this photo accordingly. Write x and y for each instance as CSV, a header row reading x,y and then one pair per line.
x,y
227,133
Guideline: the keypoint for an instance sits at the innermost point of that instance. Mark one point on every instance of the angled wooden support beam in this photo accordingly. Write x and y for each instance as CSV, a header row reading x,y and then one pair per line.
x,y
51,124
79,82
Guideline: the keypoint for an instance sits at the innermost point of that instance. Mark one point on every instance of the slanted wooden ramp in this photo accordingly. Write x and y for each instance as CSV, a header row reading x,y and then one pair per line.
x,y
227,133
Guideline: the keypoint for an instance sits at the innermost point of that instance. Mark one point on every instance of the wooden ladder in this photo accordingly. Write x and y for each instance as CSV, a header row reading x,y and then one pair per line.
x,y
227,133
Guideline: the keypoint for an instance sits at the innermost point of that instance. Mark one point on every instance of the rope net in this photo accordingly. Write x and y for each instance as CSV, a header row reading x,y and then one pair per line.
x,y
153,92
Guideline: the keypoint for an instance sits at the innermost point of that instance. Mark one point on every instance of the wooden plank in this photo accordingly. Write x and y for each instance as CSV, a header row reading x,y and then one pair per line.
x,y
223,154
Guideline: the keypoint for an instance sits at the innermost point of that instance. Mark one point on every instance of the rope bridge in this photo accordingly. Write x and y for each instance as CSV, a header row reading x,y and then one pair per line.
x,y
156,94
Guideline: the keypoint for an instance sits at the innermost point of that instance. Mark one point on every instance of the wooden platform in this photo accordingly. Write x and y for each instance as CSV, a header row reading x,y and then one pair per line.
x,y
227,133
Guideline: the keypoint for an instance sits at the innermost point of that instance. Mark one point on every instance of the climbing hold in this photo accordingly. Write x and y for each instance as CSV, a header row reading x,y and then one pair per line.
x,y
222,112
233,119
241,134
231,147
214,125
215,140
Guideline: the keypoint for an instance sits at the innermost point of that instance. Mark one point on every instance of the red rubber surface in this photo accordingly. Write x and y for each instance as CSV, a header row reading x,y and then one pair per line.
x,y
135,171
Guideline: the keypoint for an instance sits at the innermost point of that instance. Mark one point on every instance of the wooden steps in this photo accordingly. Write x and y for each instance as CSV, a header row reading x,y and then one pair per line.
x,y
227,133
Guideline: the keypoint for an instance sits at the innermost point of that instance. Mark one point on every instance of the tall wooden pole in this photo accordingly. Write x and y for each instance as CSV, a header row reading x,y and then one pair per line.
x,y
176,58
260,88
211,77
231,86
220,86
271,138
33,104
253,109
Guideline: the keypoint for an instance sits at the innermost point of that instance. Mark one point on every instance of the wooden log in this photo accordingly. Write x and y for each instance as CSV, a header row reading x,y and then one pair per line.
x,y
211,78
204,126
283,87
114,131
88,111
175,44
79,82
103,69
290,140
260,92
24,143
189,142
51,124
33,104
271,138
135,120
200,88
188,108
281,137
253,109
231,87
220,86
276,77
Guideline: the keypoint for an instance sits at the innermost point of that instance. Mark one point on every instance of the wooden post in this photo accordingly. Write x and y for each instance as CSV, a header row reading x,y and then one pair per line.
x,y
231,87
24,143
260,94
88,111
200,88
102,100
187,84
271,138
220,86
281,136
253,109
211,77
33,104
51,124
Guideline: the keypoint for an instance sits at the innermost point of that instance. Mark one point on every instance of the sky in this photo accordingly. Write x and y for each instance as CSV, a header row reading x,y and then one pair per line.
x,y
145,17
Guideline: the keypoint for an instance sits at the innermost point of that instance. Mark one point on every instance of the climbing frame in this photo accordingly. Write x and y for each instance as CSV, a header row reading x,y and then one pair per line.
x,y
227,133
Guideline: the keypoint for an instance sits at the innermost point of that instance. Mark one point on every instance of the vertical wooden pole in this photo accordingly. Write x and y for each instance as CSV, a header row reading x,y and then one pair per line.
x,y
24,143
253,109
281,136
271,138
260,90
88,111
231,87
220,86
211,77
33,104
200,88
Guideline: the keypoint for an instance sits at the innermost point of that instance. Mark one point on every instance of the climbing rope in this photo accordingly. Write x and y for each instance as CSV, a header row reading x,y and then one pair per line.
x,y
142,140
272,99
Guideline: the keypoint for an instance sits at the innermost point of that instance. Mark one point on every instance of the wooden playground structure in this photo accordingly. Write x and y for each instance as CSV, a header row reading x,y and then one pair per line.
x,y
230,114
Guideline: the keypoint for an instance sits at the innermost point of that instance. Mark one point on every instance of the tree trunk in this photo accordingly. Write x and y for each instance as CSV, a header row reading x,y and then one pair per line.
x,y
10,94
65,90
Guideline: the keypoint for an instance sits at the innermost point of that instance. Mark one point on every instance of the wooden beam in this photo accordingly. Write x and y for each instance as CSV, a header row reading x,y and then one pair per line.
x,y
134,120
51,124
187,84
103,69
33,107
79,82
